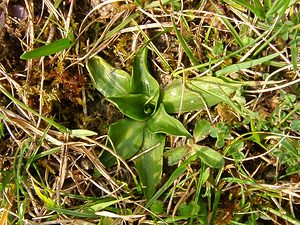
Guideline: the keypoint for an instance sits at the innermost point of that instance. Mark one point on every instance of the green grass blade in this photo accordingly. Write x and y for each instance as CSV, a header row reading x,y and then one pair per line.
x,y
229,26
257,8
186,48
45,153
276,6
294,51
19,177
215,207
149,42
74,213
282,215
121,25
32,156
245,65
267,4
233,54
97,206
267,42
48,49
178,172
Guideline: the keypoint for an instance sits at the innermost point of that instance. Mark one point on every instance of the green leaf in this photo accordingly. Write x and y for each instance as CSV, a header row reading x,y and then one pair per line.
x,y
157,207
196,93
295,125
142,81
161,122
222,132
48,49
149,165
291,146
174,155
48,201
189,210
209,156
127,138
201,130
109,81
235,150
132,105
218,48
82,133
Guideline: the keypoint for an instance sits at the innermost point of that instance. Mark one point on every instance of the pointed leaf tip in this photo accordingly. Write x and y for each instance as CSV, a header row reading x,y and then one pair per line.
x,y
109,81
162,122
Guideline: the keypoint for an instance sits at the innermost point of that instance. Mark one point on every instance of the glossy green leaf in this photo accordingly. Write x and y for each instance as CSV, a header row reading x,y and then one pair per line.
x,y
201,130
48,49
109,81
127,138
209,156
132,105
149,165
196,93
142,81
161,122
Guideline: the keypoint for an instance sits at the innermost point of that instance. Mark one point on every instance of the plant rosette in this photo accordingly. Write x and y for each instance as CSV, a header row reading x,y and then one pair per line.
x,y
147,121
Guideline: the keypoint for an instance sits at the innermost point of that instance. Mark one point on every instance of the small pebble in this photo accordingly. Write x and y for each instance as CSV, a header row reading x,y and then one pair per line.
x,y
17,11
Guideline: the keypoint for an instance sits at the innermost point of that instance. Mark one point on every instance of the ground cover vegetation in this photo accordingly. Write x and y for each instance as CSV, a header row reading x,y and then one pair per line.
x,y
149,112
